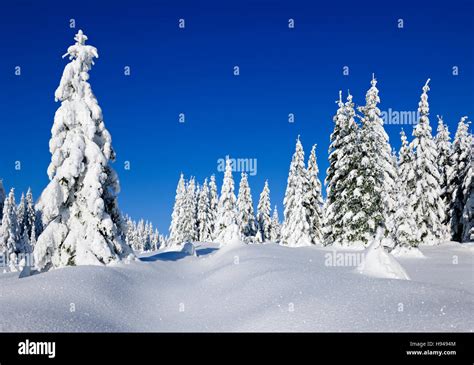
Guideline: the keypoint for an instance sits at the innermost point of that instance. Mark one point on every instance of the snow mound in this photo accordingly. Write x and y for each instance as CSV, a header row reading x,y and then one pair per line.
x,y
229,235
189,249
408,252
379,263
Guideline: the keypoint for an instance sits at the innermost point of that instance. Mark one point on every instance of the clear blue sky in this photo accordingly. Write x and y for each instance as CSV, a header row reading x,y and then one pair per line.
x,y
191,71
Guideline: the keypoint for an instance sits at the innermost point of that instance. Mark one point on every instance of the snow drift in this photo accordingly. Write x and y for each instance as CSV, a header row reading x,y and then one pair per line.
x,y
243,288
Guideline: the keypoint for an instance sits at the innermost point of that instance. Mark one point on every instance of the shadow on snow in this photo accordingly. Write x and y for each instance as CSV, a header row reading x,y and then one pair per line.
x,y
177,255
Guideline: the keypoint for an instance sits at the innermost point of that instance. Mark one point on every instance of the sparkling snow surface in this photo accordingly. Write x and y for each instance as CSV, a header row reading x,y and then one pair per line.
x,y
245,288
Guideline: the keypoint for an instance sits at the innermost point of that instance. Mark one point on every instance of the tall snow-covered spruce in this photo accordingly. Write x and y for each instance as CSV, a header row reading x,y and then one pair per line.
x,y
245,213
459,176
227,228
10,245
468,192
31,218
377,171
342,202
177,217
275,228
81,219
406,232
213,203
314,200
189,212
204,232
2,198
26,219
443,146
263,215
428,206
295,230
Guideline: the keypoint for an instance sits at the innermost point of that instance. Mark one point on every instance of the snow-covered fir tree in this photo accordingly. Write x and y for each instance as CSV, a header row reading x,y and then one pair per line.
x,y
144,233
155,240
189,212
9,231
26,216
314,201
24,225
163,241
406,231
376,171
141,236
82,222
129,231
204,230
390,202
227,228
443,146
468,212
275,226
295,230
147,245
461,167
245,214
333,227
263,215
22,221
31,218
428,206
176,227
3,196
197,193
342,177
213,204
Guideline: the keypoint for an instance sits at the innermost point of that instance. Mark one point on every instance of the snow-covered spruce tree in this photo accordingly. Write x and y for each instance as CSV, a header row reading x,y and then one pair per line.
x,y
295,230
428,206
333,228
144,241
138,244
263,214
148,245
22,221
443,146
155,240
245,214
314,201
9,231
461,167
213,203
136,238
204,214
227,228
189,212
24,227
3,196
275,226
176,233
130,230
376,170
163,241
391,204
406,231
31,218
341,177
468,213
197,193
81,219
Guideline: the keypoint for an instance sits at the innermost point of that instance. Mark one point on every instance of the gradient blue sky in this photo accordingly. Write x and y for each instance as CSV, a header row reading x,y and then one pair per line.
x,y
191,71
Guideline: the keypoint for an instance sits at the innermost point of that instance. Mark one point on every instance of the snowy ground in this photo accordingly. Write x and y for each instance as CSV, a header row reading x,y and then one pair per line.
x,y
245,288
